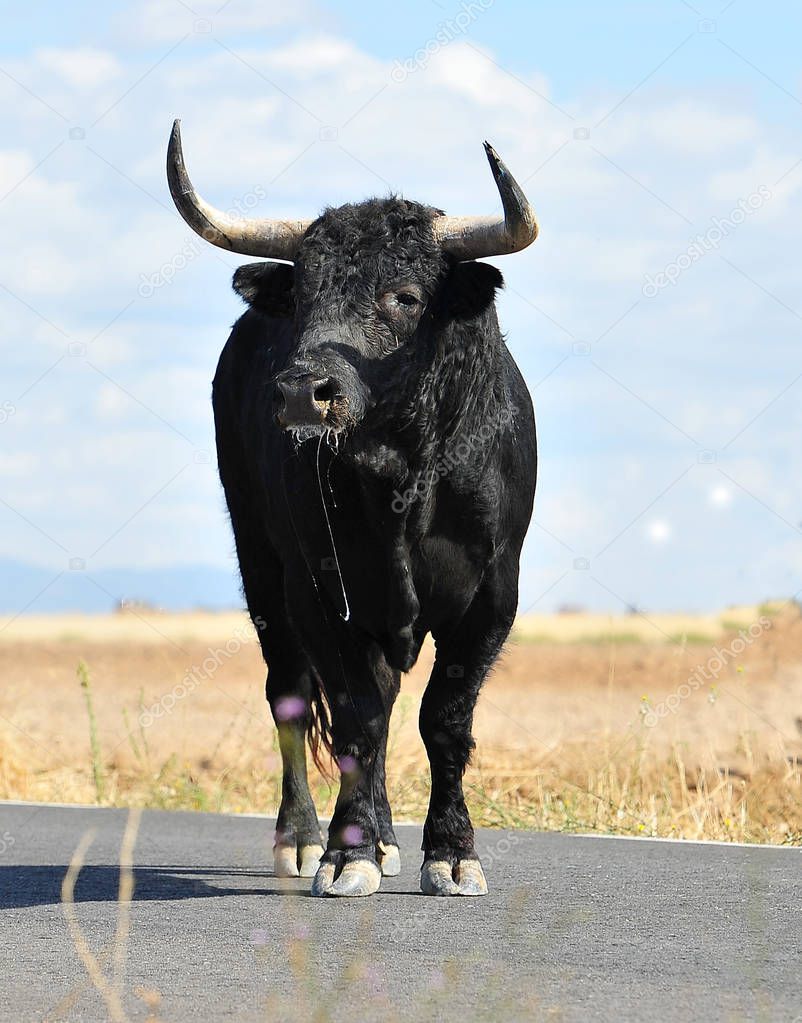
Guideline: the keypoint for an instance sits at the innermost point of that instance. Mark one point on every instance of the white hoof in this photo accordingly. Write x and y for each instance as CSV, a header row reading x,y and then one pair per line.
x,y
310,860
324,879
289,861
285,861
470,877
436,879
389,860
358,878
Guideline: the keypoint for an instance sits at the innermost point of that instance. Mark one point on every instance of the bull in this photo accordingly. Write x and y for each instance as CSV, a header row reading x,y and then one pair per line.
x,y
376,446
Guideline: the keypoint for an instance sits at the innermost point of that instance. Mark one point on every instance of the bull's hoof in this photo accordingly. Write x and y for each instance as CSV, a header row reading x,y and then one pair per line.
x,y
470,877
324,879
292,861
310,860
389,860
437,877
358,878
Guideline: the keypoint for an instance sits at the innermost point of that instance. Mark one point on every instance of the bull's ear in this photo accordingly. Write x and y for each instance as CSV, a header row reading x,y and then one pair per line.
x,y
470,289
267,287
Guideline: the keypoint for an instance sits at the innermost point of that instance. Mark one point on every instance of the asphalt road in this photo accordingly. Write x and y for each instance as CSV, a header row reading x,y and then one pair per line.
x,y
573,929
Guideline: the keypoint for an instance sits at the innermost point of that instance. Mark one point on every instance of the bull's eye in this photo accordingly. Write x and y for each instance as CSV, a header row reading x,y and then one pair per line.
x,y
402,305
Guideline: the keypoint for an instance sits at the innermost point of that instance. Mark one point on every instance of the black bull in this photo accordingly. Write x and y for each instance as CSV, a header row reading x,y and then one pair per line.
x,y
376,445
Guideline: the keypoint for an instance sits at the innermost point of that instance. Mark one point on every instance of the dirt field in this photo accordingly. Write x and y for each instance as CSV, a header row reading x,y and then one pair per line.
x,y
666,725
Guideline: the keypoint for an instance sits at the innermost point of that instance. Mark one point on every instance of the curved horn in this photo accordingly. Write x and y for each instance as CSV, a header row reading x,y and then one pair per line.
x,y
476,237
275,239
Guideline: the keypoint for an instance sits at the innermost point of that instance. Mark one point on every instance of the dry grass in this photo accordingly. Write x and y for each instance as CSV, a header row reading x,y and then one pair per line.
x,y
563,725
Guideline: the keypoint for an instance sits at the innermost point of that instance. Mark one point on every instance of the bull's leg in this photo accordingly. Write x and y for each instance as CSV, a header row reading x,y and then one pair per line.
x,y
388,853
290,685
298,846
465,654
360,695
349,866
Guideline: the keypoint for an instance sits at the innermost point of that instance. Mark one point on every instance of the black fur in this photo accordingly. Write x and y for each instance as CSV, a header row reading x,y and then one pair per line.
x,y
427,479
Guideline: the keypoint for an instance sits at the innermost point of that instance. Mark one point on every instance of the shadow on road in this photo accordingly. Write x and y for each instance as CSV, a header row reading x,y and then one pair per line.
x,y
22,886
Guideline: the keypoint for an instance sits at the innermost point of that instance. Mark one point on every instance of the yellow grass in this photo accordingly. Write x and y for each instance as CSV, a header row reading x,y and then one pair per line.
x,y
149,627
568,730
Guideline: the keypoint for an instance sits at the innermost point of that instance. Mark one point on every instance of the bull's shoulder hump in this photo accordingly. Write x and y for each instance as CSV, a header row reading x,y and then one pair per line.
x,y
257,345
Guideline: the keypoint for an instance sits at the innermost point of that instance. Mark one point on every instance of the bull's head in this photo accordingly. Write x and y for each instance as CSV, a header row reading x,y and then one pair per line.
x,y
365,280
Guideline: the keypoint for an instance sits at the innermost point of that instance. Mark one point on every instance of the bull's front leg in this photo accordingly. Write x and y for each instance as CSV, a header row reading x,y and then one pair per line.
x,y
465,654
350,865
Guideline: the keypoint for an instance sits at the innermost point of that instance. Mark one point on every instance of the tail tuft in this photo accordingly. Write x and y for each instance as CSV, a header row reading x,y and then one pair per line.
x,y
318,735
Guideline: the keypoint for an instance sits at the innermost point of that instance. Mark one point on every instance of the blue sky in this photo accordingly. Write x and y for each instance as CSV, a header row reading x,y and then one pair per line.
x,y
581,45
669,421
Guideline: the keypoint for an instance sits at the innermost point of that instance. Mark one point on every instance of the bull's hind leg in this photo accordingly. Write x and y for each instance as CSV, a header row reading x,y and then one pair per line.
x,y
465,654
388,853
298,845
289,690
290,682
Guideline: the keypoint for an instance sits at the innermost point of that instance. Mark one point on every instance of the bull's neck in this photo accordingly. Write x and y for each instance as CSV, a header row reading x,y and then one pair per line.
x,y
460,390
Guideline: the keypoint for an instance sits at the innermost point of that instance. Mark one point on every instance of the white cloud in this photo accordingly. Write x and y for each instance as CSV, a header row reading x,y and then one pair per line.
x,y
111,402
762,165
82,68
14,166
659,531
463,71
316,56
684,127
721,497
165,20
19,463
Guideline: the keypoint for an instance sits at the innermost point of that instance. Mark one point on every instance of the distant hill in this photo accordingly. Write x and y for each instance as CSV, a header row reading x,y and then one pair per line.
x,y
175,588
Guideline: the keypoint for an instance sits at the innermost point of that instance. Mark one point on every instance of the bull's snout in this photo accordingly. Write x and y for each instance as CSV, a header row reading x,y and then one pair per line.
x,y
304,400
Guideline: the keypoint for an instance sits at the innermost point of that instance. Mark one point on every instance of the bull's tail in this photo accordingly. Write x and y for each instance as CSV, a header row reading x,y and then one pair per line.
x,y
318,733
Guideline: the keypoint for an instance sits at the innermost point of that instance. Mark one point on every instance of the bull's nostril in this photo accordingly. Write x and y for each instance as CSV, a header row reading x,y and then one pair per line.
x,y
304,399
323,392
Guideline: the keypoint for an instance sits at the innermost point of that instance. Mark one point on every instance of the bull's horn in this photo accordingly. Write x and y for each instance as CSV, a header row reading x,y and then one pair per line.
x,y
275,239
476,237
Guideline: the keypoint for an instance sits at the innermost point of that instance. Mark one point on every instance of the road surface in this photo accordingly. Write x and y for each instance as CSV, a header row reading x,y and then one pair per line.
x,y
574,928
